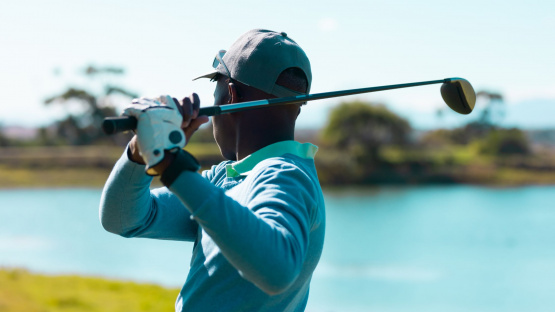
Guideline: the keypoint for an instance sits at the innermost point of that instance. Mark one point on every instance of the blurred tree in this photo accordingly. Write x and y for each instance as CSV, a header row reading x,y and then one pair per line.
x,y
471,131
436,138
494,108
492,113
85,127
360,129
504,142
4,141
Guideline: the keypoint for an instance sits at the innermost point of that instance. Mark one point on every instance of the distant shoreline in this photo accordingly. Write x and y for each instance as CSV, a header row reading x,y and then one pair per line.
x,y
32,178
90,166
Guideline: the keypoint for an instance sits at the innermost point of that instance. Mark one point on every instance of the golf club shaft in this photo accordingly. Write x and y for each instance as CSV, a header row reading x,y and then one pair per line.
x,y
113,125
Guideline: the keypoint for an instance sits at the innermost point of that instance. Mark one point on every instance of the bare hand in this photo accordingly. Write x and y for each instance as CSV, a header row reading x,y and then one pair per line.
x,y
189,108
133,152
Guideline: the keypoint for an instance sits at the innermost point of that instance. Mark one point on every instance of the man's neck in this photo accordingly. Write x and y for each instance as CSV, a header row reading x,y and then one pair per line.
x,y
254,141
259,128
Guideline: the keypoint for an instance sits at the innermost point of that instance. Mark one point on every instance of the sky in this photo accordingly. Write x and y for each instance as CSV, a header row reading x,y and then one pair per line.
x,y
501,46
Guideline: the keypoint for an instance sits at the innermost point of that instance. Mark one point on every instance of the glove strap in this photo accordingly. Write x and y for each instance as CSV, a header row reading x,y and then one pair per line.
x,y
183,162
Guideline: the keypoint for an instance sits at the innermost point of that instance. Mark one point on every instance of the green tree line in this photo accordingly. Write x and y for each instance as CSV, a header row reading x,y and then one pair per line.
x,y
361,142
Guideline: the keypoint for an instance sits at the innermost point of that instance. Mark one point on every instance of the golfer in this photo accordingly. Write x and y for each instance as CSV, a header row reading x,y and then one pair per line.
x,y
257,219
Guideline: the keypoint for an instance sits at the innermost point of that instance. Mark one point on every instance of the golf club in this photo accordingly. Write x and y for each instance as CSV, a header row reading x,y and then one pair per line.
x,y
457,93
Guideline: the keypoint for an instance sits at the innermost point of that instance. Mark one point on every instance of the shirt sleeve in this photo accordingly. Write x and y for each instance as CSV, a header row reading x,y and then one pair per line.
x,y
129,208
266,240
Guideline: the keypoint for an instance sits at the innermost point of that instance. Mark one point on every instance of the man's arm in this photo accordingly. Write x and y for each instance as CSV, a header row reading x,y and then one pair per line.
x,y
129,208
267,240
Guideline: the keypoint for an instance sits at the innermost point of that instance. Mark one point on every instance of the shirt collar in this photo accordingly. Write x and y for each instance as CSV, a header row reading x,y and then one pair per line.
x,y
245,165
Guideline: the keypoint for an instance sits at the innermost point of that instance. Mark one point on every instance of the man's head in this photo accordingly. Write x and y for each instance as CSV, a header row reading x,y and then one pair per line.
x,y
261,64
258,58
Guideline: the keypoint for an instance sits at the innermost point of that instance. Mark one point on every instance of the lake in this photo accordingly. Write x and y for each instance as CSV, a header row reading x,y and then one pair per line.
x,y
453,248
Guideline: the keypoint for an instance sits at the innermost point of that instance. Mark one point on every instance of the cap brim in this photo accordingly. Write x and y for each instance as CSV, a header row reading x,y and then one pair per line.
x,y
210,75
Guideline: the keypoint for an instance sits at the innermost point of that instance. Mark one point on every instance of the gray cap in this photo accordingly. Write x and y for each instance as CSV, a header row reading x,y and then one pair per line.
x,y
259,56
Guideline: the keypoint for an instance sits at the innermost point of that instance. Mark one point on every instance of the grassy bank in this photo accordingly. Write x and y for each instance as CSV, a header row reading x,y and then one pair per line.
x,y
72,166
52,177
89,166
448,165
24,291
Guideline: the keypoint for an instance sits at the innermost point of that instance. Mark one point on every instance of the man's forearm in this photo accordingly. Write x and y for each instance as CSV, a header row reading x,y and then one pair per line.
x,y
126,189
129,208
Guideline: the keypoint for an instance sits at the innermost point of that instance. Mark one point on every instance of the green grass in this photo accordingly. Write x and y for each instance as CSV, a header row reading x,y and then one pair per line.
x,y
54,177
89,166
73,166
24,291
511,176
454,154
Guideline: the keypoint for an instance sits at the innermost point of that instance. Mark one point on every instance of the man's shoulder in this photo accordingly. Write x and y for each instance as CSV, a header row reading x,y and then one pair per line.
x,y
287,166
292,175
286,161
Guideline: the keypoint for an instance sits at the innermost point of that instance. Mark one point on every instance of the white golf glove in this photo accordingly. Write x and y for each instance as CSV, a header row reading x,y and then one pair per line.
x,y
158,127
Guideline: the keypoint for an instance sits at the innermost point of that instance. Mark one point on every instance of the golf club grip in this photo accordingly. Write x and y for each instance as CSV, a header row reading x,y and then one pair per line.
x,y
113,125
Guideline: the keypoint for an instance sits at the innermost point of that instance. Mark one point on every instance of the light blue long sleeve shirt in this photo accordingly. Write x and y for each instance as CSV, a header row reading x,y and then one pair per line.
x,y
258,226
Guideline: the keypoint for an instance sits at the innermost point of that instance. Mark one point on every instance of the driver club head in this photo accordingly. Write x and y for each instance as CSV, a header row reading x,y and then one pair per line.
x,y
459,95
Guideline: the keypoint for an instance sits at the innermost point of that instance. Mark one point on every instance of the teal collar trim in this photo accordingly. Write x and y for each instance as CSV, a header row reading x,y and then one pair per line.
x,y
245,165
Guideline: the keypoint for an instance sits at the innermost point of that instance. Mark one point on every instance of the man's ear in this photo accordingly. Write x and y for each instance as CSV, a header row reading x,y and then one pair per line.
x,y
233,94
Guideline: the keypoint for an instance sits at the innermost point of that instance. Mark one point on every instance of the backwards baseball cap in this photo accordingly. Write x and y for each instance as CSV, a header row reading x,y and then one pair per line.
x,y
257,59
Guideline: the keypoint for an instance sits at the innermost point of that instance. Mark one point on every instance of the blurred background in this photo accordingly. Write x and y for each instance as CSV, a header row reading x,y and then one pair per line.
x,y
427,210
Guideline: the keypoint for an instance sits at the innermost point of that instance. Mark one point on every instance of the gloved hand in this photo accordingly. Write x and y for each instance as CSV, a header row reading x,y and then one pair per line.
x,y
158,128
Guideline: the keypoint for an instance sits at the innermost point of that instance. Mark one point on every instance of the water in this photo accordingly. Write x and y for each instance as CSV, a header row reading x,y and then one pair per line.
x,y
393,249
